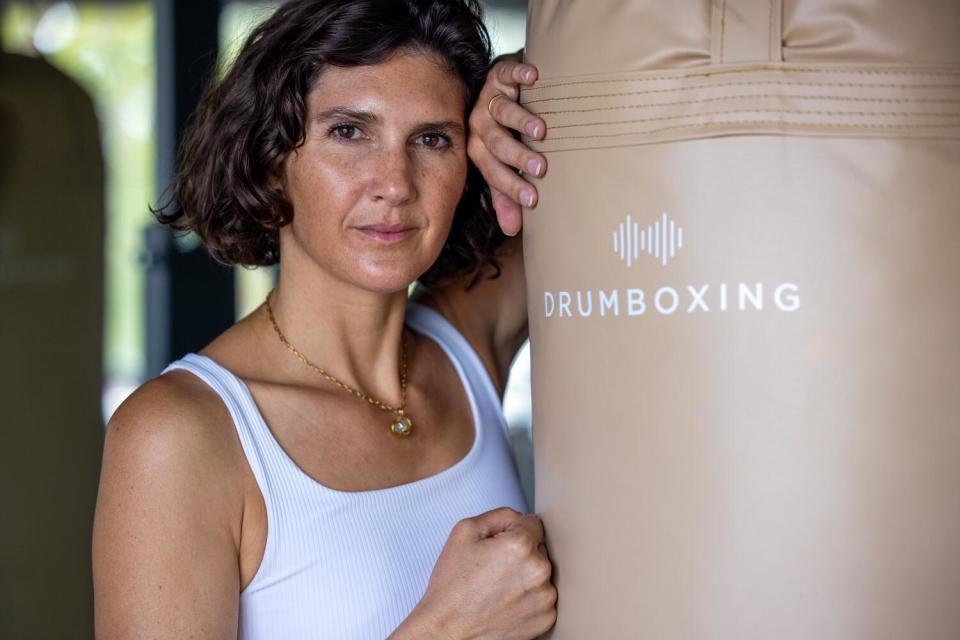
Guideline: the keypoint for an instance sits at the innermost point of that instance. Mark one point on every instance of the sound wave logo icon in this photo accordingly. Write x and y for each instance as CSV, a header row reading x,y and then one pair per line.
x,y
660,240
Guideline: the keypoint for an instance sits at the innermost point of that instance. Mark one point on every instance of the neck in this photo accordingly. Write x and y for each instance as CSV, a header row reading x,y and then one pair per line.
x,y
353,335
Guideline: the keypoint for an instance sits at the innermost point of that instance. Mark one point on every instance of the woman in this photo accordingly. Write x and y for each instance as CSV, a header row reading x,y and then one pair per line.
x,y
318,469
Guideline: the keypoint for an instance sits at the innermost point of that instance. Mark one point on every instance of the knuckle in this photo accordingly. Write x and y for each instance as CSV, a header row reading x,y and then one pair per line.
x,y
521,156
479,116
464,527
475,118
539,572
496,144
544,569
519,546
551,596
474,147
514,152
544,621
550,619
505,511
538,525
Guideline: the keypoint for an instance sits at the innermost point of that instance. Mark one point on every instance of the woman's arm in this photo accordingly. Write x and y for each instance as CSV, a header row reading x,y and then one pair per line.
x,y
166,528
491,582
492,146
492,315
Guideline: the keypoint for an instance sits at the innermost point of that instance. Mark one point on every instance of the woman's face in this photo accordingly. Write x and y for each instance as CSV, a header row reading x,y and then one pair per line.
x,y
375,184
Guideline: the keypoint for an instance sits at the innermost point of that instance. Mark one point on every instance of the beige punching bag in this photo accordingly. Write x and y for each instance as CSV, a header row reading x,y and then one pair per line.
x,y
744,294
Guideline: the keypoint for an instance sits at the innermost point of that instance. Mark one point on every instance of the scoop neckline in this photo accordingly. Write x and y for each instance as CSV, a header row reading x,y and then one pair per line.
x,y
413,485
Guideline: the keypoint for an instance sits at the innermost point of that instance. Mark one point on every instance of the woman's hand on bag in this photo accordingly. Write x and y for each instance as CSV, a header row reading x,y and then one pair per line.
x,y
492,581
494,149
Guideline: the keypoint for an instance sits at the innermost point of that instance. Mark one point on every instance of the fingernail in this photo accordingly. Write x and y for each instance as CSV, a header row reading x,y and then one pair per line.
x,y
534,166
527,75
526,197
532,129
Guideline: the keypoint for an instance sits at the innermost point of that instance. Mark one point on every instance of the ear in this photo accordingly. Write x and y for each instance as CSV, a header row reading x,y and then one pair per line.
x,y
277,182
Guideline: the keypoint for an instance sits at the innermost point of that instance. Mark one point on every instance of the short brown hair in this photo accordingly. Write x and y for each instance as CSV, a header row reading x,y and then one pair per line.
x,y
247,124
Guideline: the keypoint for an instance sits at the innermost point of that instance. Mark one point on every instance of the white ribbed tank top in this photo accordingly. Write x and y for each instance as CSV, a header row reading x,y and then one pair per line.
x,y
352,565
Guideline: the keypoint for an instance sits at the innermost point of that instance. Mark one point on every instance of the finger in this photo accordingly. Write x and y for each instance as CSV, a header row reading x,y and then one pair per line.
x,y
529,524
500,177
506,77
514,116
537,574
544,622
510,151
509,215
509,73
493,522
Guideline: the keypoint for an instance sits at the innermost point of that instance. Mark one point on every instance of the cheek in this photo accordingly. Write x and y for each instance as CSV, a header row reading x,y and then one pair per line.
x,y
449,185
322,193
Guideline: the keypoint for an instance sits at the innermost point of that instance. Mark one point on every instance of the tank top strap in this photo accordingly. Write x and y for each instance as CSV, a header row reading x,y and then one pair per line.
x,y
432,324
260,448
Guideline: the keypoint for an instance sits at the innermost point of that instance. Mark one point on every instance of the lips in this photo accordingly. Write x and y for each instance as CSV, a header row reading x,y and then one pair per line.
x,y
387,233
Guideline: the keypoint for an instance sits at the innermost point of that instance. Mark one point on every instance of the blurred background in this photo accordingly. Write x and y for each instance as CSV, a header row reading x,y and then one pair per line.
x,y
94,297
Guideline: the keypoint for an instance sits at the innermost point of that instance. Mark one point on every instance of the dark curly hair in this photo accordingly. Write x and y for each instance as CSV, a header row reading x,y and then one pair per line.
x,y
248,123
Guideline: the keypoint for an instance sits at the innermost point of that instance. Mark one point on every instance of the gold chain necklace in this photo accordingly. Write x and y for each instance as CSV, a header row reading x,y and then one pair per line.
x,y
401,426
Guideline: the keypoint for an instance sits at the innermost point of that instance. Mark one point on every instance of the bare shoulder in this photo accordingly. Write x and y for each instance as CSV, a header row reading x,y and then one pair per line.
x,y
168,514
172,435
174,416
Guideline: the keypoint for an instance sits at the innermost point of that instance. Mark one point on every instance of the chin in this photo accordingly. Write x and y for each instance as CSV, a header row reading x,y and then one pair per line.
x,y
387,281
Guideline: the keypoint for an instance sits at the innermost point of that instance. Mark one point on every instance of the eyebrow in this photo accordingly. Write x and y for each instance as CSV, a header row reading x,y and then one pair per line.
x,y
334,113
445,126
368,117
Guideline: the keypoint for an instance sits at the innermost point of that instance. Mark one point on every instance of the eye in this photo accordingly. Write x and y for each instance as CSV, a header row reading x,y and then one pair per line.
x,y
346,132
434,140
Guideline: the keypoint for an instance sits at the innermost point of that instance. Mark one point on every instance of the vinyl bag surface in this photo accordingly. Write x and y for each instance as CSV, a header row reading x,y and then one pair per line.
x,y
744,291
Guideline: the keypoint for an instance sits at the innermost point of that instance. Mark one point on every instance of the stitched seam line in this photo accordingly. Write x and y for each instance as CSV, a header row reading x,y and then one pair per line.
x,y
750,96
770,32
757,111
787,83
767,69
778,123
723,25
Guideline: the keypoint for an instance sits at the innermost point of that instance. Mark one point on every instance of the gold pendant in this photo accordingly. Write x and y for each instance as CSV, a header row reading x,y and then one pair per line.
x,y
402,426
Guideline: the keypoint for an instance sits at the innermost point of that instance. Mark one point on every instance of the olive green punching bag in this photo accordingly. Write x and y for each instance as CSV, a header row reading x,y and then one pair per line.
x,y
51,316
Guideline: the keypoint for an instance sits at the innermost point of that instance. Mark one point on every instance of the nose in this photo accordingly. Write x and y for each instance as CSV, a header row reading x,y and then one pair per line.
x,y
393,178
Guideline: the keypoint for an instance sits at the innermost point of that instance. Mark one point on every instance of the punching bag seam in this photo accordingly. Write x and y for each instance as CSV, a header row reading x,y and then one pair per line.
x,y
905,71
770,52
760,99
811,112
779,123
723,26
785,83
751,96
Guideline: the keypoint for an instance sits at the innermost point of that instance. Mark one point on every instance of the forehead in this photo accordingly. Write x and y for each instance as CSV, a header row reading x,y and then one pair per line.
x,y
405,85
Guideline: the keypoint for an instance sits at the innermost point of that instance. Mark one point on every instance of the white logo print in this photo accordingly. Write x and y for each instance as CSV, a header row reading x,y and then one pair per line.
x,y
660,240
